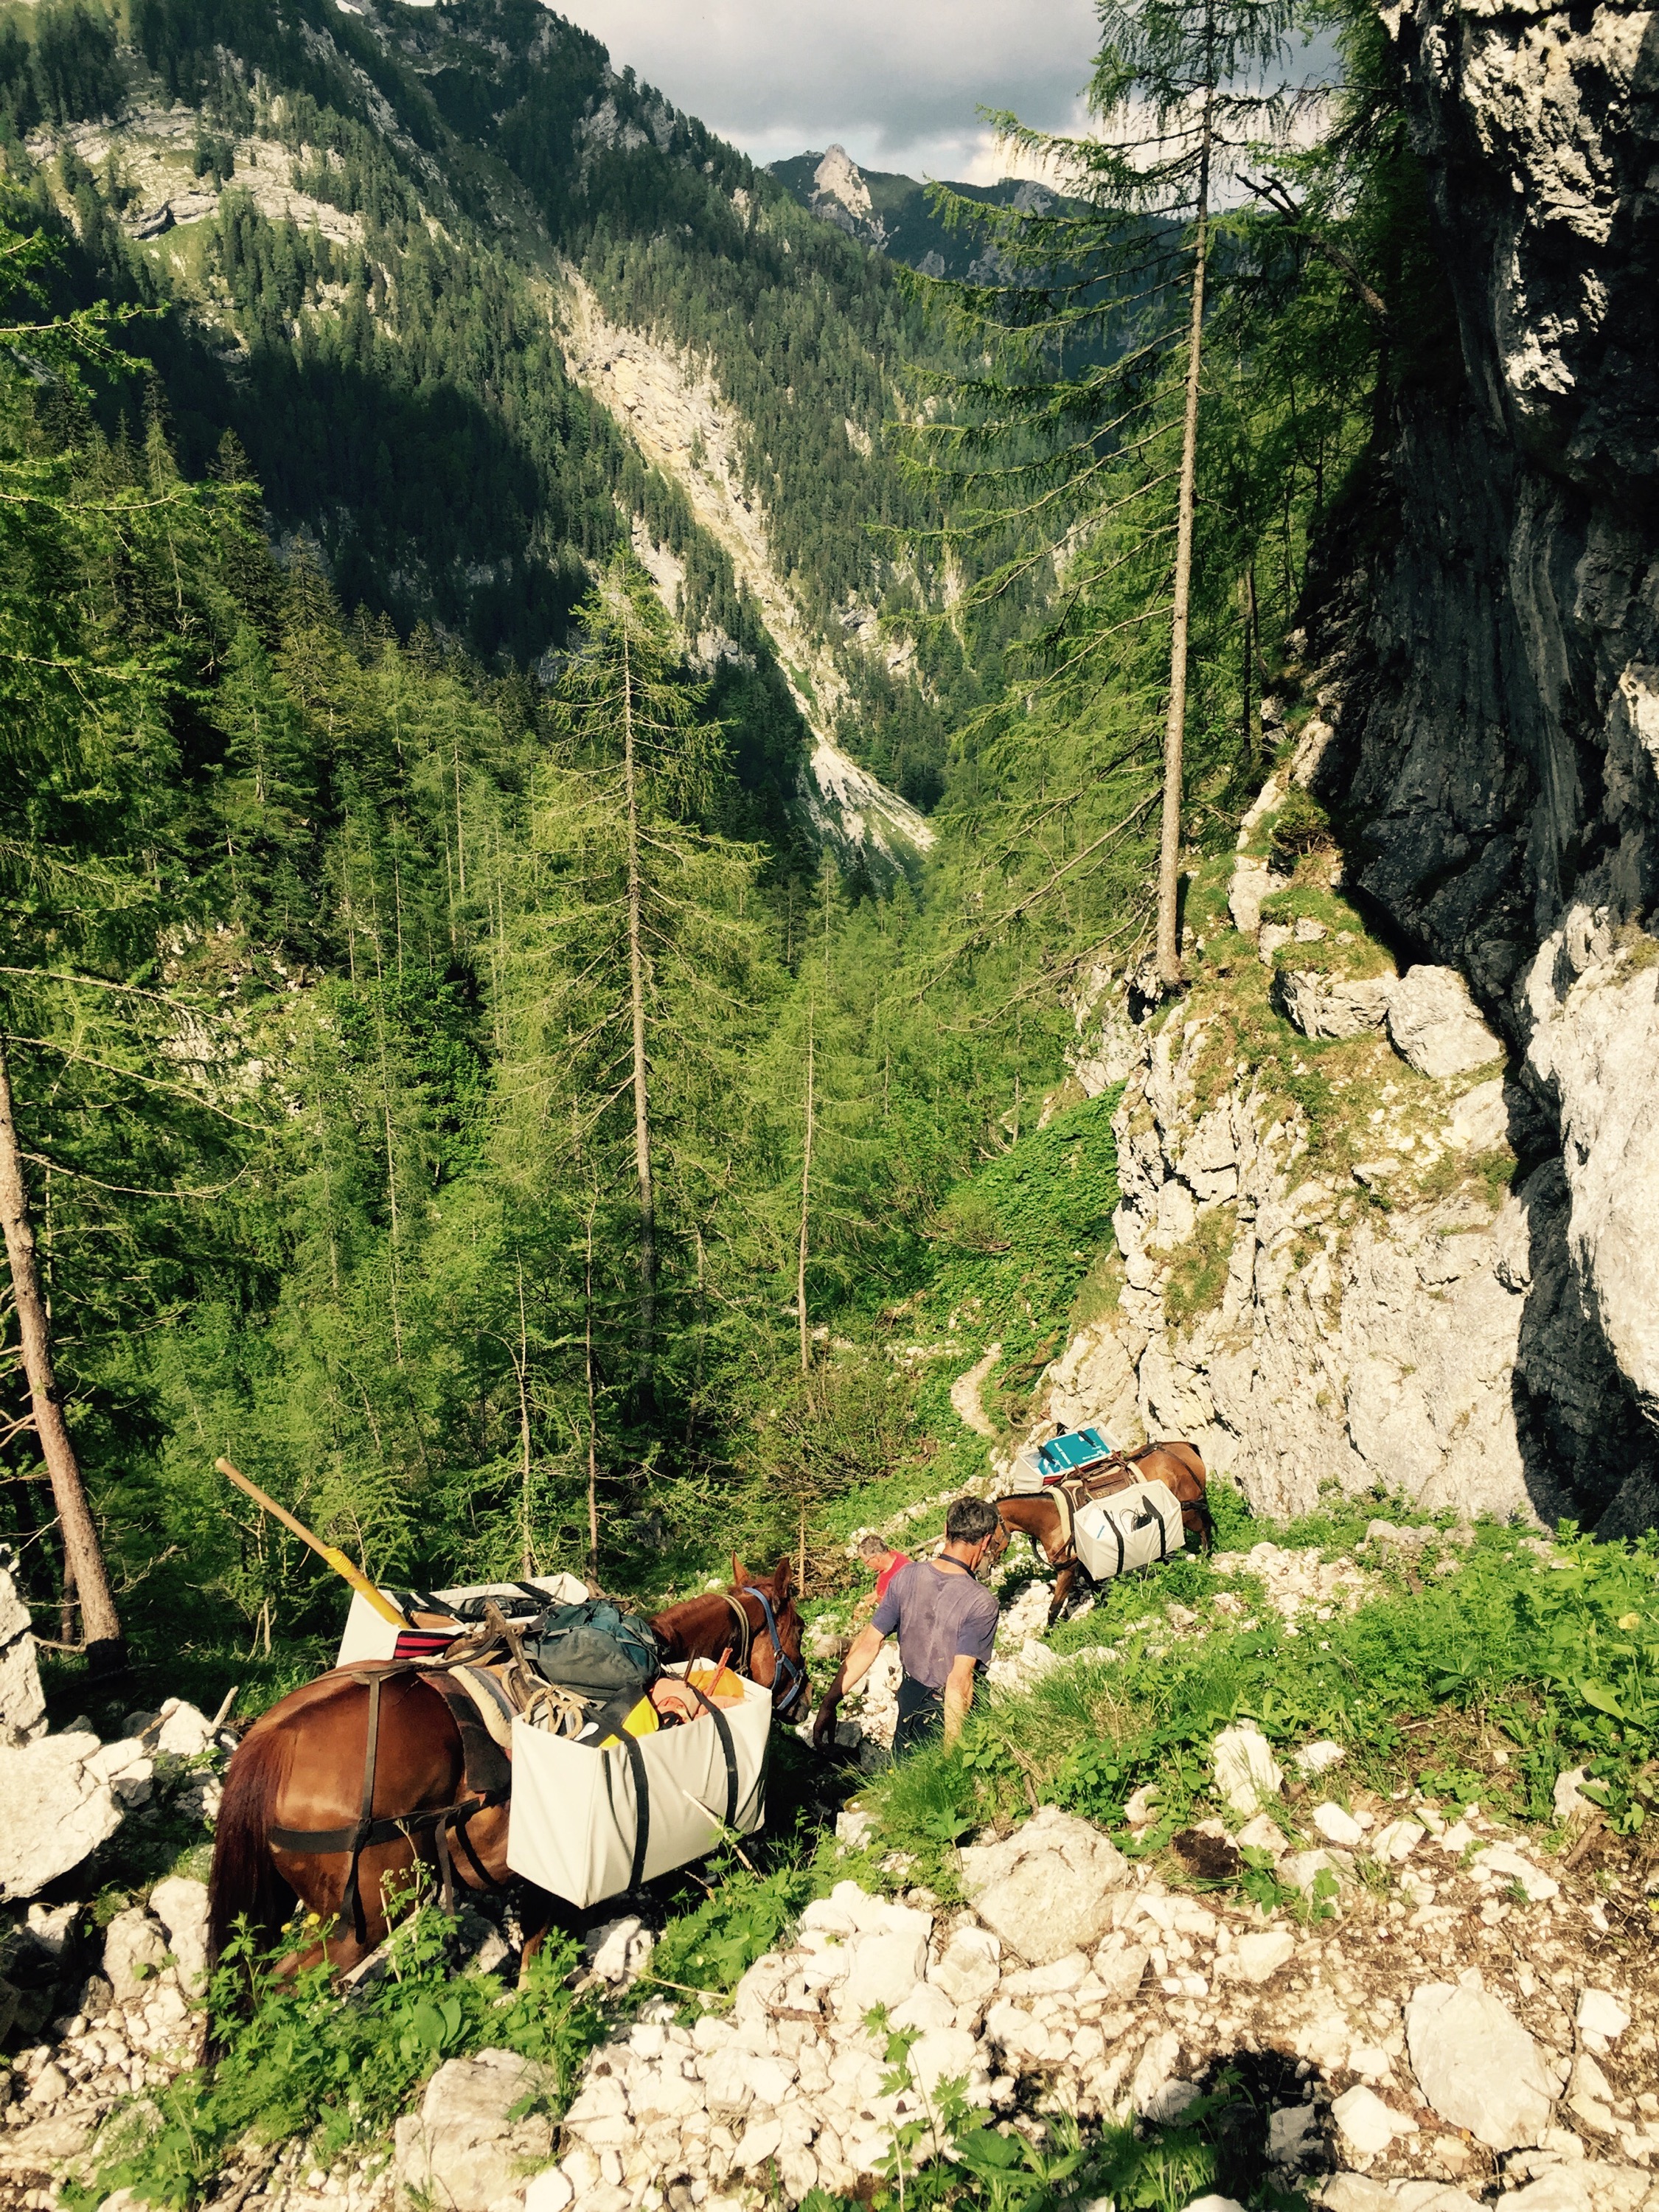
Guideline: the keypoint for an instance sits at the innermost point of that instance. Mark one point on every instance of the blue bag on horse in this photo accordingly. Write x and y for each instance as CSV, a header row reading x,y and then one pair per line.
x,y
595,1650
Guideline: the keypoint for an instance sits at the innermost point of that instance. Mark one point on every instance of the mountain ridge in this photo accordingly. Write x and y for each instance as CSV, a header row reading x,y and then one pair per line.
x,y
889,212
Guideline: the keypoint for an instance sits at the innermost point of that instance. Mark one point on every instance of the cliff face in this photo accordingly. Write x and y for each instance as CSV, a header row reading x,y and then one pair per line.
x,y
1489,737
1497,742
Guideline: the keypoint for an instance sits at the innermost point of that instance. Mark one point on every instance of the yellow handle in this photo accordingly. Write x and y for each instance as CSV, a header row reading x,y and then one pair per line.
x,y
336,1560
362,1584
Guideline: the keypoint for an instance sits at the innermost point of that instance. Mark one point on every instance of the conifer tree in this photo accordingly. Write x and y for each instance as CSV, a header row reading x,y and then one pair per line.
x,y
1085,428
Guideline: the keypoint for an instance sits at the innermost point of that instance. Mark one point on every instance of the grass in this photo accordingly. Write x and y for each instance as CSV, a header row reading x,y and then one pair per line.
x,y
1198,1273
1562,1664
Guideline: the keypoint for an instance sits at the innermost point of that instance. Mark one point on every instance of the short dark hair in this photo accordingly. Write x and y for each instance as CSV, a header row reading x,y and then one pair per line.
x,y
969,1521
874,1548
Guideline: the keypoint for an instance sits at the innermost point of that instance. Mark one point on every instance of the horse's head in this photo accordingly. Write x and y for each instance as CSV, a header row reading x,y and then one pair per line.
x,y
774,1658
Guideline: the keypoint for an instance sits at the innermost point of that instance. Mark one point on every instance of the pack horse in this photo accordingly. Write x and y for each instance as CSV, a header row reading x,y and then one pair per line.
x,y
1049,1515
343,1787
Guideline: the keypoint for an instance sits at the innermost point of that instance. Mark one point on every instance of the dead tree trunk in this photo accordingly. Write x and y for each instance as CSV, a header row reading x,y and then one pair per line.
x,y
637,995
84,1556
805,1202
1168,859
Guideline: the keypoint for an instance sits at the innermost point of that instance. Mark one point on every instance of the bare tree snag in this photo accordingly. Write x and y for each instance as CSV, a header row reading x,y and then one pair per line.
x,y
1174,732
83,1555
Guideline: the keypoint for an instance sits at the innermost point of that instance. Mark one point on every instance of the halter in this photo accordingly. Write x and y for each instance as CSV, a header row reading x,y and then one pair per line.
x,y
785,1670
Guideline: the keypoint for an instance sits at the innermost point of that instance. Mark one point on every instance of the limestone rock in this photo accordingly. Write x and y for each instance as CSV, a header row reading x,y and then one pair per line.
x,y
52,1810
1477,2066
1434,1022
1367,2123
460,2150
38,2149
135,1946
549,2191
22,1701
1257,1957
1338,1826
969,1969
619,1950
1600,2013
1245,1770
1480,1120
181,1906
887,1963
186,1732
1045,1889
1324,1005
1252,882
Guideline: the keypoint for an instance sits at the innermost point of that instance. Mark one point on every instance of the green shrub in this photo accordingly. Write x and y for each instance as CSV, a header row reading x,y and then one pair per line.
x,y
1300,826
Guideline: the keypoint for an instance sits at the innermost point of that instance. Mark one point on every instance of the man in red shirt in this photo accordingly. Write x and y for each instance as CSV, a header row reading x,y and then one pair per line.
x,y
885,1562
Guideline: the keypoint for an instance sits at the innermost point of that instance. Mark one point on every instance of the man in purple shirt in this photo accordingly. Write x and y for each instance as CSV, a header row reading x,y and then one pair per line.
x,y
946,1626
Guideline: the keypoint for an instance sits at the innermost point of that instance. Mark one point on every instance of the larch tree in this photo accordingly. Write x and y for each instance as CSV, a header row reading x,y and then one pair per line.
x,y
1072,452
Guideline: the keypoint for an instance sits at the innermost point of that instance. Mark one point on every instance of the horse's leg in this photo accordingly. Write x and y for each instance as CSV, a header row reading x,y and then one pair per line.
x,y
1063,1581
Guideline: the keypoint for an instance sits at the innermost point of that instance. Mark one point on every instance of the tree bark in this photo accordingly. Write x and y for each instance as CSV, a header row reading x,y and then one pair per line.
x,y
526,1529
1174,732
592,1423
84,1556
1252,626
806,1198
636,990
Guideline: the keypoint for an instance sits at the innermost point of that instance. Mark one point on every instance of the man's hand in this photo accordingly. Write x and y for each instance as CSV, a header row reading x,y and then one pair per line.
x,y
852,1671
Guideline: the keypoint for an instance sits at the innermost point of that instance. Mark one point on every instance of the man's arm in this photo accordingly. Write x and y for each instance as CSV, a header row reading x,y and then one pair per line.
x,y
861,1658
958,1695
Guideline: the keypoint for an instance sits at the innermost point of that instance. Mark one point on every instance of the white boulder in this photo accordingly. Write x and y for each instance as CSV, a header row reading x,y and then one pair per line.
x,y
969,1968
1434,1022
619,1951
1045,1889
1338,1826
1245,1770
186,1732
22,1701
135,1947
1256,1957
1477,2066
461,2150
1599,2014
181,1906
1368,2125
52,1810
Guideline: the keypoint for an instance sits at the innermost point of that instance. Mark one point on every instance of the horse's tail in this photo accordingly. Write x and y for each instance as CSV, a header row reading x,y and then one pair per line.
x,y
245,1883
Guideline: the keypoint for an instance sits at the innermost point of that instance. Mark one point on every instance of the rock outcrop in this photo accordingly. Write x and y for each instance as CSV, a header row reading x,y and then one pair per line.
x,y
1487,743
1490,687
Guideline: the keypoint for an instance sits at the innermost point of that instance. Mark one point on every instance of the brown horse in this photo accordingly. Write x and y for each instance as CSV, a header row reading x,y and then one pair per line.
x,y
299,1774
755,1621
1177,1464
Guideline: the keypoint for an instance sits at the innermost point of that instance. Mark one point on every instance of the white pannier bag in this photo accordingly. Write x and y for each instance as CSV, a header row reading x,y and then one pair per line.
x,y
587,1824
1133,1528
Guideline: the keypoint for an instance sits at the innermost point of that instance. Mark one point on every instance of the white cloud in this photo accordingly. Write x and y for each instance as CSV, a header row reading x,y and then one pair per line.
x,y
898,82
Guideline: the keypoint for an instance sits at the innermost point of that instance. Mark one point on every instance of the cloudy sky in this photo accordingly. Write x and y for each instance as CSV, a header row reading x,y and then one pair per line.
x,y
898,82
